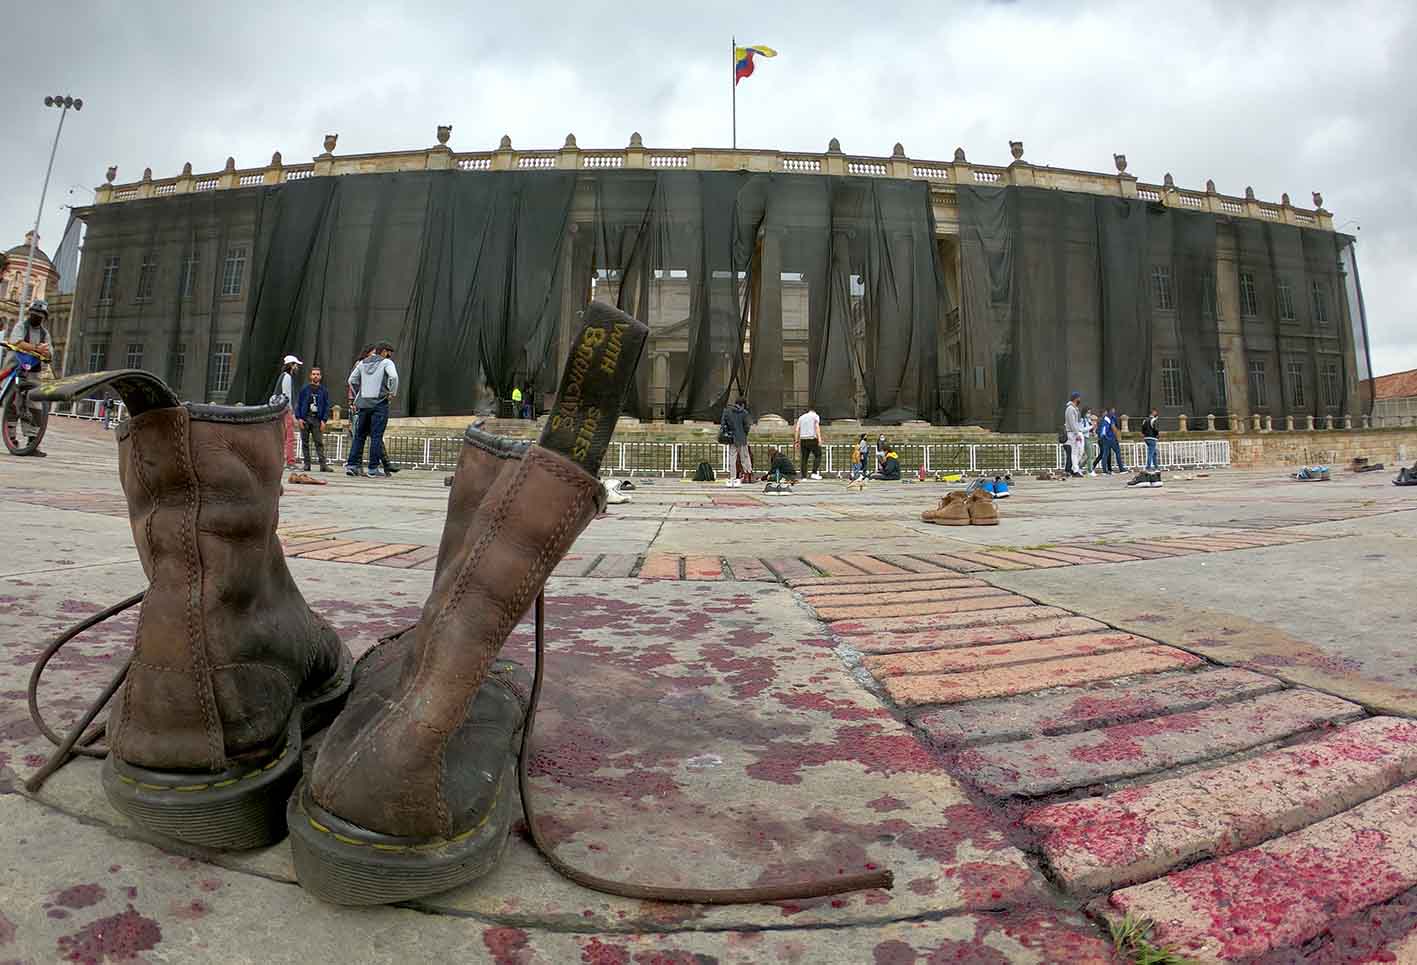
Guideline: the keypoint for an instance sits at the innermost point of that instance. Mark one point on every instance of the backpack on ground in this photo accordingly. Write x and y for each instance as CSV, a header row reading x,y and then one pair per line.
x,y
704,473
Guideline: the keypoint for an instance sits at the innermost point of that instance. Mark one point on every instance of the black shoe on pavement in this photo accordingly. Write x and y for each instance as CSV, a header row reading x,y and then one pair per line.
x,y
1140,479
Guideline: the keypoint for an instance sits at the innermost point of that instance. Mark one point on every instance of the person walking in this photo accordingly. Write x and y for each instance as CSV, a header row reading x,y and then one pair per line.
x,y
1111,444
374,381
284,395
517,402
1090,454
1073,431
313,404
737,421
1151,435
807,436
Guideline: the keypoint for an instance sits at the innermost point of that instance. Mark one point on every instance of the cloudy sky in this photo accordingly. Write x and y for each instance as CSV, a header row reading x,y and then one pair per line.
x,y
1286,96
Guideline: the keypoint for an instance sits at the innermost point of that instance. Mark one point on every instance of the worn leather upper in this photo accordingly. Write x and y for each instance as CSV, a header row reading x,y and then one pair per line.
x,y
226,645
396,760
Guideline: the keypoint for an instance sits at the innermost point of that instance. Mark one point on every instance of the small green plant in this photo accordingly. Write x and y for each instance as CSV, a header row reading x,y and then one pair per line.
x,y
1132,938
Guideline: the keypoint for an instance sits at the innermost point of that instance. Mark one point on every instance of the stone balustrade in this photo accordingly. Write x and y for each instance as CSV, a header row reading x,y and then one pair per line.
x,y
943,176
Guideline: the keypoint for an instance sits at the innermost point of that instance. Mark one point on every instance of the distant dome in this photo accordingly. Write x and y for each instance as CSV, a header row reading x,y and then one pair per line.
x,y
23,251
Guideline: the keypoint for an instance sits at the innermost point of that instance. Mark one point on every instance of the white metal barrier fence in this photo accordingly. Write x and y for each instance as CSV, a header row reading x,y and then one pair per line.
x,y
683,458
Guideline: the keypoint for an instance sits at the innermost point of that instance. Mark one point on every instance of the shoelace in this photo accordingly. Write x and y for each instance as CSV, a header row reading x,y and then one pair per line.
x,y
82,737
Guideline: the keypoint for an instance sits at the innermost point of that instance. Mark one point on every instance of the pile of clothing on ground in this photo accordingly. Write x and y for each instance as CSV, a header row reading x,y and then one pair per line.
x,y
1312,474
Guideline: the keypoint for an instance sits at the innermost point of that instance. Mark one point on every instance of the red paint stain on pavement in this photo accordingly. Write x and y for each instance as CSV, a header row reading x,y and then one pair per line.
x,y
79,896
984,885
117,937
839,709
673,958
1113,836
885,803
1120,743
878,753
1105,708
508,946
597,952
188,910
894,952
7,930
924,886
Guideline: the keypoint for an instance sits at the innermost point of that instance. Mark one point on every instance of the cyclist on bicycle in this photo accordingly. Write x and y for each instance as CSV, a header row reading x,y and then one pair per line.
x,y
30,336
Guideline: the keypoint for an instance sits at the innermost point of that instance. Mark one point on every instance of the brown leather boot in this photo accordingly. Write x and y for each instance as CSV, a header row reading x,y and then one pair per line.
x,y
952,511
230,666
413,789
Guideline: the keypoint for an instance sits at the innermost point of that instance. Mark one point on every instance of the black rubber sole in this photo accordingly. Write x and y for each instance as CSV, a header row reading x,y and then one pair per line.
x,y
345,864
233,810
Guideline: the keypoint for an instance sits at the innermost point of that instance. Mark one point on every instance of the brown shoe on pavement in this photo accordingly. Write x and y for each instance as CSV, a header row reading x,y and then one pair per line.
x,y
413,789
981,509
952,511
230,667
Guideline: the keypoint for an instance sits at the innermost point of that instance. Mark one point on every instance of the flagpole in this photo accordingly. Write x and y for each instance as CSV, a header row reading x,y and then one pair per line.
x,y
733,70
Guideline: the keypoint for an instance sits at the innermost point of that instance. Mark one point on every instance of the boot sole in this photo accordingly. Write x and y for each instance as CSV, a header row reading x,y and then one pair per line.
x,y
234,810
345,864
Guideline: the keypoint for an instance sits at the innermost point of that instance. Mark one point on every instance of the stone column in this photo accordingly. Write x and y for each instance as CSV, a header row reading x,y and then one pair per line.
x,y
1367,422
1289,423
765,388
659,385
801,395
1183,423
1328,422
1257,421
1126,421
1348,421
1237,423
1309,423
1210,422
1269,423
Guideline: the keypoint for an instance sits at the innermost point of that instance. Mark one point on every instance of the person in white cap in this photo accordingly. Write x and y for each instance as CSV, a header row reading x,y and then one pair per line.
x,y
284,395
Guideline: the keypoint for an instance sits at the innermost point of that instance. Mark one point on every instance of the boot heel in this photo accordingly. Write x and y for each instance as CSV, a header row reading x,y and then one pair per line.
x,y
231,810
345,864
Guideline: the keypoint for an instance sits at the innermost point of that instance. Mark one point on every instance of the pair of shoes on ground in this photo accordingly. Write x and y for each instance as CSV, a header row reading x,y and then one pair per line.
x,y
998,487
376,473
974,508
1313,474
1146,479
413,788
1406,477
615,492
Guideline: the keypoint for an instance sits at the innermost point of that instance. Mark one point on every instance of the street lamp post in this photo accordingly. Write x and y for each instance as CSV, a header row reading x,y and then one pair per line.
x,y
63,103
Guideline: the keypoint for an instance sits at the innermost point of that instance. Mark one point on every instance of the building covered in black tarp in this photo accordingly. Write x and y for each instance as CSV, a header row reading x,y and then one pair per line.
x,y
882,289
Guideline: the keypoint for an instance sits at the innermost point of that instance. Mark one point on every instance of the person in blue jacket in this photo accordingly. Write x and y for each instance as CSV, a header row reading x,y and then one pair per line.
x,y
312,408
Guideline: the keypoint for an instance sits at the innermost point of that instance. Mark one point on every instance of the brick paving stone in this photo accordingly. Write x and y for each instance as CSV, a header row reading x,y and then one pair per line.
x,y
913,565
1284,892
988,561
849,588
956,660
939,622
1160,547
660,566
337,549
833,565
410,559
1062,554
839,600
1083,708
1043,765
292,545
788,568
1142,833
576,564
1111,553
870,564
890,642
1028,558
1140,552
950,563
980,598
749,568
377,553
1199,544
814,582
703,568
615,566
918,690
312,530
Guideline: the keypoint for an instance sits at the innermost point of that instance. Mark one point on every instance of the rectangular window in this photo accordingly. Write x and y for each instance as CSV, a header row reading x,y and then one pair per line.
x,y
98,355
1259,394
1249,299
1285,296
145,277
108,283
187,277
1209,310
1222,389
1171,383
1161,288
232,270
1296,384
221,367
134,358
1332,386
1319,291
179,364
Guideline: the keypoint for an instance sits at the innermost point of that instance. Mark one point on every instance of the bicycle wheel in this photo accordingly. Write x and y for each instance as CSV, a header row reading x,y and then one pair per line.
x,y
22,426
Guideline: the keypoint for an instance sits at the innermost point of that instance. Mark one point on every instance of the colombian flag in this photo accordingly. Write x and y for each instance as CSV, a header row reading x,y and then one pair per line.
x,y
743,60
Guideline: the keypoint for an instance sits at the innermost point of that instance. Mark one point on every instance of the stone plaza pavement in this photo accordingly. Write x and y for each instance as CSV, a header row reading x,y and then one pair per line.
x,y
1193,704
